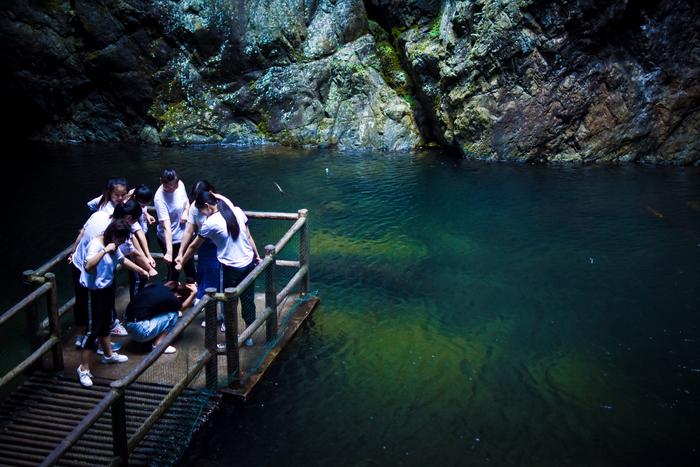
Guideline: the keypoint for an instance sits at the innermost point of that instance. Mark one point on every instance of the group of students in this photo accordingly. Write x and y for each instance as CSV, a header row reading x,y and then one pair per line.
x,y
205,222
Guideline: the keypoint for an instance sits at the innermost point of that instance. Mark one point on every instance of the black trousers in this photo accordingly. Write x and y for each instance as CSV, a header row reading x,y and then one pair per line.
x,y
101,306
233,277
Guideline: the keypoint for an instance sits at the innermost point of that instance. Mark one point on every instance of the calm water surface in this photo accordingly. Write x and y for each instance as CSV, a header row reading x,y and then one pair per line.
x,y
471,314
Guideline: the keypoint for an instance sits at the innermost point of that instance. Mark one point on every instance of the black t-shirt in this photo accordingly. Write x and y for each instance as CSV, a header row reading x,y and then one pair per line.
x,y
154,300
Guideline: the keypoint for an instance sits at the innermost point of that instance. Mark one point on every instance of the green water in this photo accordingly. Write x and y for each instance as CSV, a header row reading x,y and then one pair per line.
x,y
471,314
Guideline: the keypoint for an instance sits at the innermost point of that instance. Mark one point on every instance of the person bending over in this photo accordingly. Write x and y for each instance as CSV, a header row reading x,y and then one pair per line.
x,y
154,311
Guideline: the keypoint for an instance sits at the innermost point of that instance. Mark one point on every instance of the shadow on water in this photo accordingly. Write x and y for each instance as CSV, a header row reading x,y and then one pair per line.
x,y
472,314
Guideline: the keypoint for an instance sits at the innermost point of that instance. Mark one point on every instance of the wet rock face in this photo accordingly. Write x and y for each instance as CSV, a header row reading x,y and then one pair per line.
x,y
202,71
525,80
561,81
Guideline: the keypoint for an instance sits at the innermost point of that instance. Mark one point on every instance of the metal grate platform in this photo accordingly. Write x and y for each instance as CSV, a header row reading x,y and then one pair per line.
x,y
46,408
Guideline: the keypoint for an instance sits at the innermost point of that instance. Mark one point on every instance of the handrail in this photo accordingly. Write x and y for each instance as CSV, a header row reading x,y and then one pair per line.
x,y
288,216
290,233
35,295
293,282
44,268
250,330
143,365
84,425
252,275
29,361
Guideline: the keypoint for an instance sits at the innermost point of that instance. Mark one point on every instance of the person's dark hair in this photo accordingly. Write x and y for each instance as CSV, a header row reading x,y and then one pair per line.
x,y
200,186
207,197
118,229
130,208
168,175
143,194
112,183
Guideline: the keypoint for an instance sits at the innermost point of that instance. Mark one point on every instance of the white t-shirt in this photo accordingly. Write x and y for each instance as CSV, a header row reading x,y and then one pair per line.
x,y
195,217
171,205
103,274
238,253
143,220
94,227
94,204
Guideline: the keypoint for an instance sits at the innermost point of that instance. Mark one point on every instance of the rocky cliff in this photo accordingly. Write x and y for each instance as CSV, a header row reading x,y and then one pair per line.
x,y
526,80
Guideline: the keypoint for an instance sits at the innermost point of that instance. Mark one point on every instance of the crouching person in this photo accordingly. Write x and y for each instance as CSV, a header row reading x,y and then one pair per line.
x,y
154,311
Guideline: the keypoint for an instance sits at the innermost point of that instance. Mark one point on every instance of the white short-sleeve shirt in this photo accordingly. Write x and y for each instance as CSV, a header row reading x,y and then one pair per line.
x,y
94,205
235,253
103,274
195,217
171,205
94,227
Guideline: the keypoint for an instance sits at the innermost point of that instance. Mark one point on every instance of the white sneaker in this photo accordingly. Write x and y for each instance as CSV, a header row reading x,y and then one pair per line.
x,y
249,342
204,324
223,327
79,341
84,377
116,346
118,329
115,358
169,349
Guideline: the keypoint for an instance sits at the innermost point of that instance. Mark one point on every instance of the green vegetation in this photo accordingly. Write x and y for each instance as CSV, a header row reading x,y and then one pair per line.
x,y
169,114
392,250
434,32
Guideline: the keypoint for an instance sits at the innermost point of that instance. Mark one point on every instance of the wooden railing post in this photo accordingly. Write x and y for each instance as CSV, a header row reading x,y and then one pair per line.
x,y
233,362
121,447
270,294
54,321
32,312
304,252
211,369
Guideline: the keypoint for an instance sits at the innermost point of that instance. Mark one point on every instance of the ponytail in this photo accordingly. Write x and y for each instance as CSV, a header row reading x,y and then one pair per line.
x,y
230,218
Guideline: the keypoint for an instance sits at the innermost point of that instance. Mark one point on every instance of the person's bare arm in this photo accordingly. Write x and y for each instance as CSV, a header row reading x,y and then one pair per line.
x,y
75,246
168,256
194,246
142,242
190,298
131,266
92,262
252,243
185,242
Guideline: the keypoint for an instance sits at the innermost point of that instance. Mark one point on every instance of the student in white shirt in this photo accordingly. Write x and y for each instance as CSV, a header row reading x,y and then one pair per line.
x,y
96,225
115,192
172,208
99,266
227,227
208,268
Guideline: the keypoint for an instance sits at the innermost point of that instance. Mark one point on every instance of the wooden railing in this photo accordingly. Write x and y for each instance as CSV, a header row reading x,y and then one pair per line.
x,y
43,283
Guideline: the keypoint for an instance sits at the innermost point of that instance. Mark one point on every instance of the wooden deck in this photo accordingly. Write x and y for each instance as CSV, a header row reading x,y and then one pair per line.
x,y
168,369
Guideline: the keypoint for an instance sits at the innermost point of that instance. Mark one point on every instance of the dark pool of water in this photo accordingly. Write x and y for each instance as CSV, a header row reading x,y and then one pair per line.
x,y
471,314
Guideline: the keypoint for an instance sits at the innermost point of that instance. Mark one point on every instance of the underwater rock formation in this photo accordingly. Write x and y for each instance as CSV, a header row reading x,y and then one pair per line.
x,y
523,80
